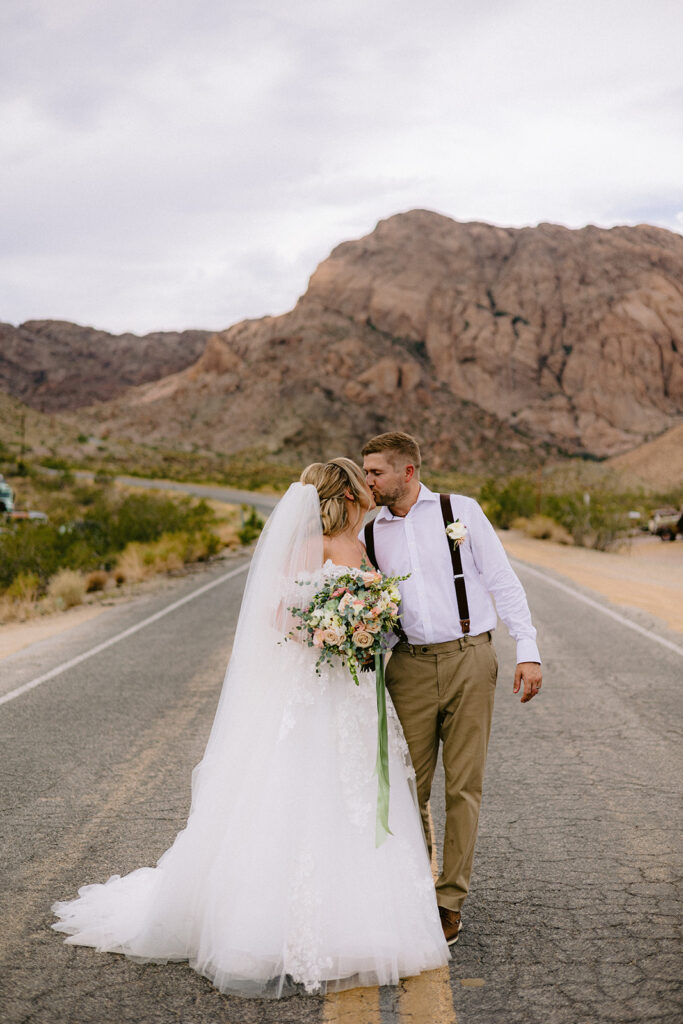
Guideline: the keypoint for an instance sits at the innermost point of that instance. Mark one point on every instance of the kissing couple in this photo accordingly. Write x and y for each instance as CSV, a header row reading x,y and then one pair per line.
x,y
277,882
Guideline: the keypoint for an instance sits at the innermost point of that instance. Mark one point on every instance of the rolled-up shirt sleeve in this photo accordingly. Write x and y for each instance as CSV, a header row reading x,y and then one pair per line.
x,y
502,583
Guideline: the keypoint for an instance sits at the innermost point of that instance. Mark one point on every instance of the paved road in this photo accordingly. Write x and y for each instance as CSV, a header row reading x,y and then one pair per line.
x,y
263,503
575,903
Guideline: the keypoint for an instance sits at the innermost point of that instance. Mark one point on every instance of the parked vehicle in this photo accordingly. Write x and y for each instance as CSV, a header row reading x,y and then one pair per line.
x,y
6,497
666,522
28,515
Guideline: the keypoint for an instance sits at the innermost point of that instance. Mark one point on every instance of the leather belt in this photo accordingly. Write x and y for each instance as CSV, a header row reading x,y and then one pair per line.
x,y
444,648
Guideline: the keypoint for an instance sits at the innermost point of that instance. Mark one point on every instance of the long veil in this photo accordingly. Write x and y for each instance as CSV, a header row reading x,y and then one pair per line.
x,y
288,553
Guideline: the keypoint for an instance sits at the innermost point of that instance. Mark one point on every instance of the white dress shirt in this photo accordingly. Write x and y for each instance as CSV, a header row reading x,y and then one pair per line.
x,y
417,544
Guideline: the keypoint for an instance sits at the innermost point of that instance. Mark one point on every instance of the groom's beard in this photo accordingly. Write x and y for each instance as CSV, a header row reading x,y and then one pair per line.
x,y
385,498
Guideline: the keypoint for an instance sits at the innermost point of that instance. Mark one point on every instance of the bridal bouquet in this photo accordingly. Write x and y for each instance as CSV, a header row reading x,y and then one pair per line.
x,y
349,619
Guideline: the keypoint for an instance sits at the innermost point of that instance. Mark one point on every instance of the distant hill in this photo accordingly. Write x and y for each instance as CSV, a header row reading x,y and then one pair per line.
x,y
498,347
55,365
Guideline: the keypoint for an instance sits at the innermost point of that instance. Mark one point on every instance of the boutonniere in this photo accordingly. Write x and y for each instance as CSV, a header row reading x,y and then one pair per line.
x,y
457,532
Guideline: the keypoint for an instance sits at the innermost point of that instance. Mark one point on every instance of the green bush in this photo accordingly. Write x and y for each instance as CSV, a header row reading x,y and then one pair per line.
x,y
92,541
251,528
24,587
505,501
596,523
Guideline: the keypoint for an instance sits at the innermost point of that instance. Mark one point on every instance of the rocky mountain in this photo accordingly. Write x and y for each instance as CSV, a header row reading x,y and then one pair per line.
x,y
496,346
574,336
656,464
54,365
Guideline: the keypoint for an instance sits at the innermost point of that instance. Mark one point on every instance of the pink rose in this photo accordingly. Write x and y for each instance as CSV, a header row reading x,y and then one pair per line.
x,y
318,638
371,577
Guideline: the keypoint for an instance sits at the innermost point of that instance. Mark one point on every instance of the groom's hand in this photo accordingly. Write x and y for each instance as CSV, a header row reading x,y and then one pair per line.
x,y
529,673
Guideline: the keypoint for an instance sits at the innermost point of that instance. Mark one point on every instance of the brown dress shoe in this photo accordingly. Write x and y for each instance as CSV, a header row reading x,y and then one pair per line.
x,y
451,924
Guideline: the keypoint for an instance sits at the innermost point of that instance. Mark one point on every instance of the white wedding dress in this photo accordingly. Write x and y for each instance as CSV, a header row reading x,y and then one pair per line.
x,y
275,882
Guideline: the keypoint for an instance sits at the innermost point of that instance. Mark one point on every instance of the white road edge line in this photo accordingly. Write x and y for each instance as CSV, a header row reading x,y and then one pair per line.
x,y
600,607
121,636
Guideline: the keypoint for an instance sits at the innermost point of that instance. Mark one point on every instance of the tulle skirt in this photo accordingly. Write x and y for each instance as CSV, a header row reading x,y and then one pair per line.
x,y
276,883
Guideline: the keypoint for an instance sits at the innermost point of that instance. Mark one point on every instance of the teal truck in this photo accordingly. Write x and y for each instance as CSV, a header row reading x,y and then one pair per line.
x,y
6,497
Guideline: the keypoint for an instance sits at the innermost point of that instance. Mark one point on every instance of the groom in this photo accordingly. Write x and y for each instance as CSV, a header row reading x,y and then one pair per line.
x,y
442,672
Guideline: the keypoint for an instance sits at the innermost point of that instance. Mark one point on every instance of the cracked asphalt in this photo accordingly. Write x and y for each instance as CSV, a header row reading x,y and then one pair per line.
x,y
574,911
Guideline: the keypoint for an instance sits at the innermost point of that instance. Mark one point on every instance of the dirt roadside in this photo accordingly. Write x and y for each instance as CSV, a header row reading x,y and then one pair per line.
x,y
646,573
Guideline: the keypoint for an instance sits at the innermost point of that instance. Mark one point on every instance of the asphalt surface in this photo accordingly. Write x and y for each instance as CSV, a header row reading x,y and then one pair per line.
x,y
263,503
574,911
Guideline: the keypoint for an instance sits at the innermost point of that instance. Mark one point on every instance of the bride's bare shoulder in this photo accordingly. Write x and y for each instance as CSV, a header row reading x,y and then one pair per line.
x,y
341,552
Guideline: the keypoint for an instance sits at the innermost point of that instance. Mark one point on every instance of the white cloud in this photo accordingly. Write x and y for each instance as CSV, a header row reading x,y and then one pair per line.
x,y
170,165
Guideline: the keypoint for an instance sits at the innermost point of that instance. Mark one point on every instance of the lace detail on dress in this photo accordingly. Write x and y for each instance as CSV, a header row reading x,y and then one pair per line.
x,y
304,685
303,959
357,743
420,871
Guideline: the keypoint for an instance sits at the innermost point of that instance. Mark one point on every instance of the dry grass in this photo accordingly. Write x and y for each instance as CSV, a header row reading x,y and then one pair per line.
x,y
227,534
131,566
542,528
18,603
96,580
171,552
66,589
16,609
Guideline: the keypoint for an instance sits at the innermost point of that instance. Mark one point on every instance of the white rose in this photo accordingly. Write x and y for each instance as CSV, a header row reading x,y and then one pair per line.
x,y
457,531
333,636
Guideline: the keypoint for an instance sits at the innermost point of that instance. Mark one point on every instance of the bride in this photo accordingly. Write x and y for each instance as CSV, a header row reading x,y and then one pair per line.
x,y
276,882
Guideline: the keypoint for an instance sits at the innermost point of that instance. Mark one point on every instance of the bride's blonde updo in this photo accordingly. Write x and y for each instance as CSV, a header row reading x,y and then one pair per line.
x,y
331,479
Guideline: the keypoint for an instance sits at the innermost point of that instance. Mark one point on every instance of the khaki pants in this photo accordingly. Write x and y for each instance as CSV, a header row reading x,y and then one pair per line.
x,y
444,692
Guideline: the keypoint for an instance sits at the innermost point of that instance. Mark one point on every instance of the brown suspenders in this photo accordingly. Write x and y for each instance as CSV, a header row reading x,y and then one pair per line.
x,y
456,560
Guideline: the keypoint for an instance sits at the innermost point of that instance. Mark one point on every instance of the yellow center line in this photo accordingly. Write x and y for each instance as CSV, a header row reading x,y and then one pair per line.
x,y
425,999
353,1006
428,998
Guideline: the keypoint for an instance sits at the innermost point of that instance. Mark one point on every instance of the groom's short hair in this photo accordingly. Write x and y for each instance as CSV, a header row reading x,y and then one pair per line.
x,y
394,443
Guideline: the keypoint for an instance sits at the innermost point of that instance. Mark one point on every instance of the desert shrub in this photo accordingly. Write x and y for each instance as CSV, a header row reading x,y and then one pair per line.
x,y
96,580
594,523
29,548
131,566
504,501
168,553
251,527
16,610
542,528
66,588
205,546
227,535
24,587
90,527
145,517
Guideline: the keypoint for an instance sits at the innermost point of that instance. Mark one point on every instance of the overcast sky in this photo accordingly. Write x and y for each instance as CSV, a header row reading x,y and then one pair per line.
x,y
187,163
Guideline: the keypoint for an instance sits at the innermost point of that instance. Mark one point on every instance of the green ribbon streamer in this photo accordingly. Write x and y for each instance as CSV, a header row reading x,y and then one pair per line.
x,y
382,829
